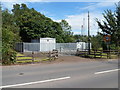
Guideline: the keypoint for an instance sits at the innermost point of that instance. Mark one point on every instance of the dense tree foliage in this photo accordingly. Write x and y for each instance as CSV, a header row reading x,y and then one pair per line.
x,y
34,25
10,35
81,38
96,40
68,34
111,25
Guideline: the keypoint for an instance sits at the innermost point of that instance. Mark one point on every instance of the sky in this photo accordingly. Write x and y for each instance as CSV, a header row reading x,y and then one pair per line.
x,y
75,12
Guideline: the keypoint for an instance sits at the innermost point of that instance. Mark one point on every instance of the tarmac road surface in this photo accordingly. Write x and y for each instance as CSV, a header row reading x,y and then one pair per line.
x,y
95,74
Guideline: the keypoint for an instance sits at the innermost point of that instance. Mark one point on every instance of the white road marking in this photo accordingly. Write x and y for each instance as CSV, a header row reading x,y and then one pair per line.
x,y
106,71
112,60
50,80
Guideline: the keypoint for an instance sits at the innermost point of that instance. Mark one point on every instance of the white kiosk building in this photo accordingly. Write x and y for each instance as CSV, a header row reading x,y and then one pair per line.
x,y
47,44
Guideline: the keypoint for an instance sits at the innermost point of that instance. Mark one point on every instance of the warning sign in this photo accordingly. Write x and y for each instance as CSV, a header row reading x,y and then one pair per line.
x,y
107,38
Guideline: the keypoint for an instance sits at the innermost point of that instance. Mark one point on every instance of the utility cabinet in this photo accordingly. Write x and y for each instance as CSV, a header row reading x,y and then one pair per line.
x,y
47,44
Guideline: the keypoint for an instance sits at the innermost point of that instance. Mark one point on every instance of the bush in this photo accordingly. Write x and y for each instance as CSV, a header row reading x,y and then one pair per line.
x,y
8,53
114,47
8,56
104,46
10,35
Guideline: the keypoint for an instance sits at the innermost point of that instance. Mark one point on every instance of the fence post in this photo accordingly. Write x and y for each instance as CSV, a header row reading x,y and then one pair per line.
x,y
94,53
101,53
110,54
32,57
60,49
23,47
118,54
107,55
49,55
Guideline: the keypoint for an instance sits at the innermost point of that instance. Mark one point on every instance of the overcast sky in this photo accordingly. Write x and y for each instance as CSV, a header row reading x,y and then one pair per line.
x,y
74,11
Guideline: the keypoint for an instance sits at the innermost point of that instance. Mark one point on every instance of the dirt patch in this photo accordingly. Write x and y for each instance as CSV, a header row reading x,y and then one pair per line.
x,y
68,59
75,59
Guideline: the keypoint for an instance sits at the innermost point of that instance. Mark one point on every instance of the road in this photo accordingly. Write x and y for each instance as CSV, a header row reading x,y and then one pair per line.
x,y
93,74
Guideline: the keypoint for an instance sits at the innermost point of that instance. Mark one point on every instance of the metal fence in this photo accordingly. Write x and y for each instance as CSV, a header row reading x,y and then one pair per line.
x,y
29,47
66,46
19,47
63,48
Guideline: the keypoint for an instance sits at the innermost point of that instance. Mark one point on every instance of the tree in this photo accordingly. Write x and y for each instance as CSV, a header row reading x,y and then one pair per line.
x,y
81,38
111,25
34,25
29,21
57,33
10,35
96,42
117,14
68,34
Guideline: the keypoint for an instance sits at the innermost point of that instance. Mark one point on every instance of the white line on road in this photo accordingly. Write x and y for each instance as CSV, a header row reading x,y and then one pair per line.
x,y
50,80
106,71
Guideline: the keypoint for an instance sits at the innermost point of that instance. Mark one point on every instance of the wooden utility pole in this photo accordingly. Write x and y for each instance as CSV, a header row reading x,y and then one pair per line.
x,y
88,33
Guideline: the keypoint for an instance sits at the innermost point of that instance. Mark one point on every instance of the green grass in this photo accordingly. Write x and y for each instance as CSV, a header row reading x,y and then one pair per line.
x,y
19,54
0,46
46,59
27,61
24,58
113,56
104,55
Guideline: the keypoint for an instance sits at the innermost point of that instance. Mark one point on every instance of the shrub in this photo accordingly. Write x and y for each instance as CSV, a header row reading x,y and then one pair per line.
x,y
8,56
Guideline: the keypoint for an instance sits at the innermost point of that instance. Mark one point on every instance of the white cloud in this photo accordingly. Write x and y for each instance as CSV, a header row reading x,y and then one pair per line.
x,y
98,5
77,33
9,5
101,3
59,0
56,20
76,21
22,0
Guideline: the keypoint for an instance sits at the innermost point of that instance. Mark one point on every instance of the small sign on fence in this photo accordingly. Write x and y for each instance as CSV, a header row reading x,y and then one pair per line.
x,y
107,38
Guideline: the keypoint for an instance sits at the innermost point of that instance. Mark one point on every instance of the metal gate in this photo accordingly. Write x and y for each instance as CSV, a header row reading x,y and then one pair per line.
x,y
66,48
